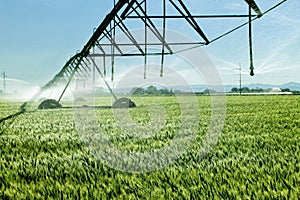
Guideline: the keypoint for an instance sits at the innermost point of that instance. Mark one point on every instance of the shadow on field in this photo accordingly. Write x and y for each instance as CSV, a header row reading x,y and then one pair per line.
x,y
85,106
8,123
12,116
8,120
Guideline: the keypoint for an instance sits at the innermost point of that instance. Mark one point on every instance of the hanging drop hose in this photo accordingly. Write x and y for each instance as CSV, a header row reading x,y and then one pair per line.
x,y
250,43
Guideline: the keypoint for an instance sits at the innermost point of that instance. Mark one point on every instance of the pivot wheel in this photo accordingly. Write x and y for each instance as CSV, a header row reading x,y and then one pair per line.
x,y
49,104
124,103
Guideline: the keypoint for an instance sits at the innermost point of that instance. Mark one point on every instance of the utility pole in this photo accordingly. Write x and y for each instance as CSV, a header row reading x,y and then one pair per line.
x,y
240,68
4,81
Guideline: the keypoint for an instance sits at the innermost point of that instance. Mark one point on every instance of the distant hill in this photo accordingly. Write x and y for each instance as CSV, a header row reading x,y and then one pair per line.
x,y
291,85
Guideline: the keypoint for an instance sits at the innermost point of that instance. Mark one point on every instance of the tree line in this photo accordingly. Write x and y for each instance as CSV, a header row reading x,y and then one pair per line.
x,y
256,90
151,90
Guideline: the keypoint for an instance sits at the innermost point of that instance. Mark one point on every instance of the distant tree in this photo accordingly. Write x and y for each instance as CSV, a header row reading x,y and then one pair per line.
x,y
285,90
164,91
257,90
235,90
151,90
209,91
296,92
260,90
138,91
245,90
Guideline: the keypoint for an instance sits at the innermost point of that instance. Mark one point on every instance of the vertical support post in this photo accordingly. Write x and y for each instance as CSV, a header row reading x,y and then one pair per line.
x,y
164,39
146,39
112,57
113,35
104,65
94,76
250,42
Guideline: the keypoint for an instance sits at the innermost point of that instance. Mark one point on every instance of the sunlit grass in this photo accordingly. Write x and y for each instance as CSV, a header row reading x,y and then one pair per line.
x,y
257,155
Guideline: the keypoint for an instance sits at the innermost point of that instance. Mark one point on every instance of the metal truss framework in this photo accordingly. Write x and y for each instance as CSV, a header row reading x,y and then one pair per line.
x,y
104,44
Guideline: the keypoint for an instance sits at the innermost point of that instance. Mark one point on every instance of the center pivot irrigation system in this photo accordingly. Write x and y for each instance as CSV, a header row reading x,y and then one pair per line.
x,y
103,47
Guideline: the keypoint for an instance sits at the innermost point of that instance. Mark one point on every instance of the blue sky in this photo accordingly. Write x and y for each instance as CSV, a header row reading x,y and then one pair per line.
x,y
37,37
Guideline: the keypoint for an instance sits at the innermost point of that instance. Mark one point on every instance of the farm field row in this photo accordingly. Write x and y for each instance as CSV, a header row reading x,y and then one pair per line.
x,y
257,155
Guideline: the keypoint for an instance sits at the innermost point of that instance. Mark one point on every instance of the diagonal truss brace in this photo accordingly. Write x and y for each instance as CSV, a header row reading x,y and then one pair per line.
x,y
104,37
